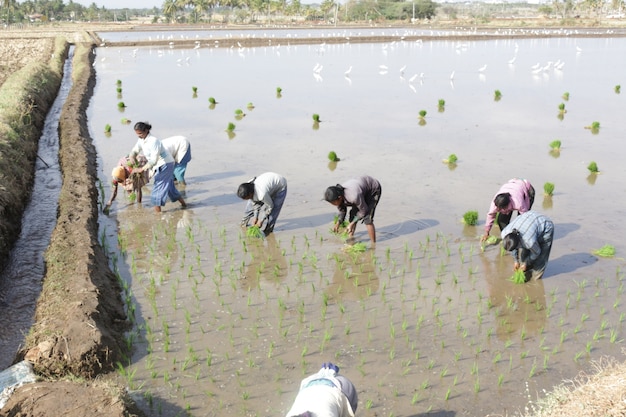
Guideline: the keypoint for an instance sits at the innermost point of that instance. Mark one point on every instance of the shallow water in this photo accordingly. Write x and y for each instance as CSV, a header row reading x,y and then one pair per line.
x,y
20,282
425,321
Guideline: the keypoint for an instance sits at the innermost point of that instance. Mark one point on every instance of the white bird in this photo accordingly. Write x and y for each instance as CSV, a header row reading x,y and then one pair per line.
x,y
413,78
483,68
383,67
348,71
512,60
452,76
402,69
578,49
534,67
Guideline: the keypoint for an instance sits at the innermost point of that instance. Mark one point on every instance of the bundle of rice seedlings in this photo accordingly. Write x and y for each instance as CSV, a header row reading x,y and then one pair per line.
x,y
470,218
606,251
358,247
519,277
254,231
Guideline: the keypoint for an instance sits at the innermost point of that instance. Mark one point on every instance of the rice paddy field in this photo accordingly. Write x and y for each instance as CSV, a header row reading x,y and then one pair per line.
x,y
427,320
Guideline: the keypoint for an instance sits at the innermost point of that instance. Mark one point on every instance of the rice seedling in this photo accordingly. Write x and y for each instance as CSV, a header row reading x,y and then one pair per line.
x,y
497,95
368,404
316,118
593,167
451,160
606,251
617,89
254,231
121,106
212,101
231,127
477,386
594,127
565,96
548,189
107,128
250,106
441,105
358,247
470,218
332,156
518,277
562,108
239,114
422,114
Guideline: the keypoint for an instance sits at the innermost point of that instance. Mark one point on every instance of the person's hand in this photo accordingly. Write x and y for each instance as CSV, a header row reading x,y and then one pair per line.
x,y
523,267
351,228
484,237
107,209
336,227
516,266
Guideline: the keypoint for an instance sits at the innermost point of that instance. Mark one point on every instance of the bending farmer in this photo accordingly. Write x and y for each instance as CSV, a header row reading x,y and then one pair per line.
x,y
326,394
362,195
266,192
180,149
529,238
516,194
131,179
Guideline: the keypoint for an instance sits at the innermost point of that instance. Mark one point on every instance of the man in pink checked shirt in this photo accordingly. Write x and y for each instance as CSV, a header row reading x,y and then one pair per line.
x,y
517,194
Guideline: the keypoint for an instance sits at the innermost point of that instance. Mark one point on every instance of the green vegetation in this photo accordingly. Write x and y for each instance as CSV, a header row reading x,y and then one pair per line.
x,y
121,105
548,188
107,128
593,167
316,118
358,247
606,251
441,105
231,127
470,218
562,108
250,106
254,231
451,160
212,100
422,114
497,95
618,89
125,121
194,89
332,156
518,277
565,96
555,145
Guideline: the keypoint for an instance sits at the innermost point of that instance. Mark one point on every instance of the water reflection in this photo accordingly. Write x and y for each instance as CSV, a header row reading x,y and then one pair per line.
x,y
267,262
521,308
355,276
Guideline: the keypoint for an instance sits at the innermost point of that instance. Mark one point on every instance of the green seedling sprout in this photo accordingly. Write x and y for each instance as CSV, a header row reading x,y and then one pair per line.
x,y
358,247
332,156
231,127
555,145
594,127
606,251
617,89
279,90
212,100
239,112
470,218
562,108
125,121
107,128
519,277
316,118
441,105
593,167
497,95
548,188
565,96
119,90
250,106
194,89
451,160
118,82
121,105
254,231
422,114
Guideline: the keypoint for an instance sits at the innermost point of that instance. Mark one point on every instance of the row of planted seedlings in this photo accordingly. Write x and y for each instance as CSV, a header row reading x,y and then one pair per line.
x,y
413,326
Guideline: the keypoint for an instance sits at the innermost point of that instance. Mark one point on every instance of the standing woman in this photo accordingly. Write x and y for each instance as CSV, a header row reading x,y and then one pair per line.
x,y
161,166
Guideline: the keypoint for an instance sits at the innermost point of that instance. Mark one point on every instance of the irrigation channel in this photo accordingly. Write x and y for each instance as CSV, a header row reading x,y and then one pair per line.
x,y
425,321
20,282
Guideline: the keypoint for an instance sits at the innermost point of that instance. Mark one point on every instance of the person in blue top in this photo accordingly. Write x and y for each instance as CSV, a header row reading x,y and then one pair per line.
x,y
160,165
529,238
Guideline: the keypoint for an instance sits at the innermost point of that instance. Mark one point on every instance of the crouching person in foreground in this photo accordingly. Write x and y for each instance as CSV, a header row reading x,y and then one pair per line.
x,y
325,394
529,238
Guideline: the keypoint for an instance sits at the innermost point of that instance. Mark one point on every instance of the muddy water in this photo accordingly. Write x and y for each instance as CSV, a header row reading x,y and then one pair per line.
x,y
425,320
20,282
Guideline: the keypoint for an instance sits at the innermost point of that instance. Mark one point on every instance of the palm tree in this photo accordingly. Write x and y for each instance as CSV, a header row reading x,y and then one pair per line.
x,y
169,10
199,7
8,4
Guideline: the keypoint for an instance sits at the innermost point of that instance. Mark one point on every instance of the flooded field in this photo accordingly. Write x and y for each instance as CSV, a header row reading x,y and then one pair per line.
x,y
426,322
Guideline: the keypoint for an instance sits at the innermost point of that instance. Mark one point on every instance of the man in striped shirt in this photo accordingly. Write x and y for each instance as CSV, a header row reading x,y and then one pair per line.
x,y
529,238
